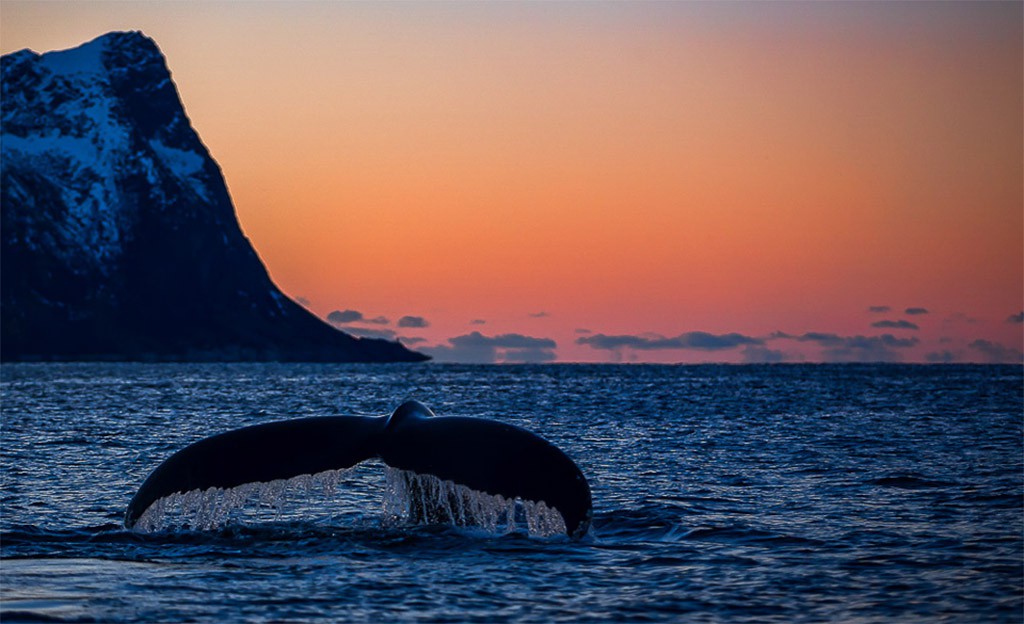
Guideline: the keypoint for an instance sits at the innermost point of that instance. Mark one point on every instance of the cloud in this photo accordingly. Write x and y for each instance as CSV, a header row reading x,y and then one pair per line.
x,y
480,349
302,301
856,348
756,354
913,311
340,317
478,322
541,314
366,332
996,353
1016,318
413,321
819,337
411,340
701,341
581,330
856,342
529,356
344,317
504,341
879,309
942,357
900,324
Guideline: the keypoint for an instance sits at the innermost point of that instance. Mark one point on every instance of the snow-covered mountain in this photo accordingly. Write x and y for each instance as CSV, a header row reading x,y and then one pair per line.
x,y
119,239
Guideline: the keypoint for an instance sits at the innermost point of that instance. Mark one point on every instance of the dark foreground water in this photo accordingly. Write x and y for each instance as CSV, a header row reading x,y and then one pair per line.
x,y
721,493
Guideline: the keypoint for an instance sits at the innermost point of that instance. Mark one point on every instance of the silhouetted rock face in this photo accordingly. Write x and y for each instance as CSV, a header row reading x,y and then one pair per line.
x,y
119,239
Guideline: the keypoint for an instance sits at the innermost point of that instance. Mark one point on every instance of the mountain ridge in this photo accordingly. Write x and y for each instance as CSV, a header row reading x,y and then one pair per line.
x,y
119,240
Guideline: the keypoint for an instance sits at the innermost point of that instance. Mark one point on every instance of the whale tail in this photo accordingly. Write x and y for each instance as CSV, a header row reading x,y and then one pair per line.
x,y
482,455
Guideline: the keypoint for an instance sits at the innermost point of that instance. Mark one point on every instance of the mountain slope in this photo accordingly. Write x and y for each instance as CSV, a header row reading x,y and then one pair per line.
x,y
118,238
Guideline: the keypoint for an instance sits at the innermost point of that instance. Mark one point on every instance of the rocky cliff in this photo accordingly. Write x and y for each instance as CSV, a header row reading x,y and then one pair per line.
x,y
119,239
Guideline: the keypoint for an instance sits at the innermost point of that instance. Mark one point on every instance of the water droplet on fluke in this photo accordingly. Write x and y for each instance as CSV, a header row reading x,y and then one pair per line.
x,y
425,499
408,498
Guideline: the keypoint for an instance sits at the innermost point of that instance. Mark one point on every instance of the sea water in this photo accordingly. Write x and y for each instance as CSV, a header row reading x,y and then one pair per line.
x,y
721,494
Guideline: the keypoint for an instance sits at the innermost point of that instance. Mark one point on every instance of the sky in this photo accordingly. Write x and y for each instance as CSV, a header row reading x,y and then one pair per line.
x,y
610,181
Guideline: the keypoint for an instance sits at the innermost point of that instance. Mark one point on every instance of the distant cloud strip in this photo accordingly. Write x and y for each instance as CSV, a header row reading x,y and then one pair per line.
x,y
701,341
504,341
852,342
835,348
341,317
996,353
900,324
352,319
413,321
344,317
883,309
508,348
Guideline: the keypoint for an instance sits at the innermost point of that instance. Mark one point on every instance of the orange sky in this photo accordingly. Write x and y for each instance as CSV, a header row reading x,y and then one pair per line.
x,y
629,169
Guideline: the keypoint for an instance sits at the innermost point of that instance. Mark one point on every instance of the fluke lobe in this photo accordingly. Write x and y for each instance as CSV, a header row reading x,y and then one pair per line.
x,y
484,455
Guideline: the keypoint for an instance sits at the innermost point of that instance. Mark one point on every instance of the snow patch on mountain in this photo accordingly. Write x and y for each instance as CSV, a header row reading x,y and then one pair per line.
x,y
185,165
91,224
67,124
85,59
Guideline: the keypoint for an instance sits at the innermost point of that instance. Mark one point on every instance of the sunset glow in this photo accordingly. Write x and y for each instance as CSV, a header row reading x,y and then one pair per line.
x,y
662,182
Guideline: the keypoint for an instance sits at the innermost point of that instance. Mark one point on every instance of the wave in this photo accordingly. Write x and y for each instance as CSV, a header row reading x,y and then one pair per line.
x,y
656,522
909,482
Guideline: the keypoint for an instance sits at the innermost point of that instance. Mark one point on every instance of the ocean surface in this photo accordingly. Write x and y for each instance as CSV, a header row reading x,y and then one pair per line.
x,y
777,493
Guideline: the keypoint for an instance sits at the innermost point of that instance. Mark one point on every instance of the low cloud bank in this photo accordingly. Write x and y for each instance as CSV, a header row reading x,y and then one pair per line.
x,y
413,321
342,317
834,348
900,324
701,341
995,353
476,348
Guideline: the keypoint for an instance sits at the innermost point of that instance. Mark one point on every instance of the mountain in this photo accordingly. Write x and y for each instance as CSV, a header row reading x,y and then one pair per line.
x,y
118,238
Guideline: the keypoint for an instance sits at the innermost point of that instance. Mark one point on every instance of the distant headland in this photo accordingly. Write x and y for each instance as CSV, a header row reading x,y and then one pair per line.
x,y
119,238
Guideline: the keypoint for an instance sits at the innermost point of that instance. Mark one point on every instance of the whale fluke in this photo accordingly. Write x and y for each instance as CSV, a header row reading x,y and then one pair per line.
x,y
483,455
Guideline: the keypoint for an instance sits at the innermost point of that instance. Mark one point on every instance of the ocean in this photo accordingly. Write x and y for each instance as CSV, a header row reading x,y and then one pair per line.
x,y
763,493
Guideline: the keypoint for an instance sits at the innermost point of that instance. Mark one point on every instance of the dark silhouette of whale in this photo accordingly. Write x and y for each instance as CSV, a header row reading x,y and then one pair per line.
x,y
484,455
